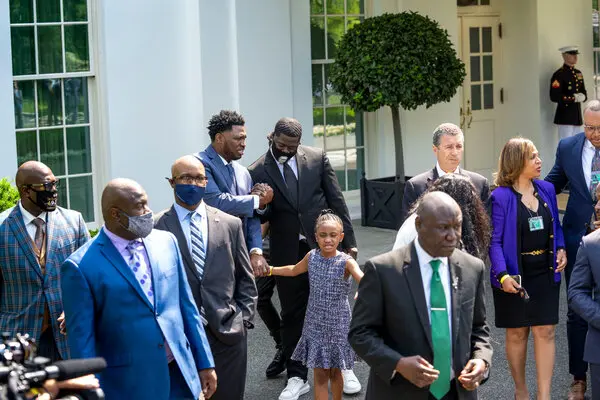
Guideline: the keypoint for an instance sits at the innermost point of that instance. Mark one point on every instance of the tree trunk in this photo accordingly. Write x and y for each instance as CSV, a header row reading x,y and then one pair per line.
x,y
398,143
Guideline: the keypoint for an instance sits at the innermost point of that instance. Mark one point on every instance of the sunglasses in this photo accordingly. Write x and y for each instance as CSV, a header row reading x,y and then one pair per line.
x,y
46,185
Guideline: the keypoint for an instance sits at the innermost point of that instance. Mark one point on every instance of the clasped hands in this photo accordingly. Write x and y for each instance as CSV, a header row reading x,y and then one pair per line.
x,y
264,193
421,373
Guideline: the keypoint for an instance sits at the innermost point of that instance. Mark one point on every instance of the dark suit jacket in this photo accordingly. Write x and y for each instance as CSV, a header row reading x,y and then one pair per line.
x,y
227,291
417,185
318,189
390,320
568,168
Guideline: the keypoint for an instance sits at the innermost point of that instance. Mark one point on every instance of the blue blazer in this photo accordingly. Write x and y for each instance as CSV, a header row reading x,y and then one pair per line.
x,y
580,207
108,315
218,194
504,247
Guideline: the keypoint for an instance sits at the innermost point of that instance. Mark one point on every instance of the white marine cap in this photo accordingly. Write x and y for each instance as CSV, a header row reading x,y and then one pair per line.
x,y
569,49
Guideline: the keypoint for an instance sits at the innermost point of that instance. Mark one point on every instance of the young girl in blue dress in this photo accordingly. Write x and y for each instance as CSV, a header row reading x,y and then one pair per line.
x,y
324,343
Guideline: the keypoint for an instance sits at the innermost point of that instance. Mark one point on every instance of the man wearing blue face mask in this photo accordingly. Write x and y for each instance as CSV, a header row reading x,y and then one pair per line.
x,y
218,269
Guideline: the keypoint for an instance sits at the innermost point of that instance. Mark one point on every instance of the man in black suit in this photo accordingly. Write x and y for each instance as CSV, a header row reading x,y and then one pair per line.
x,y
304,183
219,273
448,147
419,320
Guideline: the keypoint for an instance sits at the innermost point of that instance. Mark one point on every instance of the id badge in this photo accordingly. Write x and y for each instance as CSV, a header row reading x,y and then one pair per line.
x,y
536,224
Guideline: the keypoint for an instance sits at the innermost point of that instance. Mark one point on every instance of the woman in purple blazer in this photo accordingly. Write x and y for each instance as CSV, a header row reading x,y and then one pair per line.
x,y
527,255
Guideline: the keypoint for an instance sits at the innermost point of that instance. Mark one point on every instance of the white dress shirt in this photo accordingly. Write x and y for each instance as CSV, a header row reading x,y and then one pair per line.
x,y
28,221
254,197
587,156
407,232
441,172
184,220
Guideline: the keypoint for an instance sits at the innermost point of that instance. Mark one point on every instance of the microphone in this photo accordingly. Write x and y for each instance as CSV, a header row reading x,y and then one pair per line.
x,y
67,369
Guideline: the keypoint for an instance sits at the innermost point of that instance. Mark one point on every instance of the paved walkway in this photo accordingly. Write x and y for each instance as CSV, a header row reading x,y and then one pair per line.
x,y
373,241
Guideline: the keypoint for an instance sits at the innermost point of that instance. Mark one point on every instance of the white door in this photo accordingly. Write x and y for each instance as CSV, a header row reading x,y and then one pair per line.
x,y
481,93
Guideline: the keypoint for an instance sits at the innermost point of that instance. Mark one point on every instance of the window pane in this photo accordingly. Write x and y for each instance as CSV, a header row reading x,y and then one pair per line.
x,y
475,69
350,127
318,128
79,152
81,196
76,48
24,102
50,49
52,150
488,96
355,158
484,2
48,10
464,3
316,6
486,39
474,40
335,31
488,74
26,146
351,21
476,97
62,193
335,7
76,101
337,160
317,38
23,50
49,102
335,128
317,84
75,10
332,97
355,6
21,11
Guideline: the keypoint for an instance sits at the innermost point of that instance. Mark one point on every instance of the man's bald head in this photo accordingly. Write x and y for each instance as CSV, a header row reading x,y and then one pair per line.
x,y
121,199
439,224
186,164
37,187
118,192
32,172
188,180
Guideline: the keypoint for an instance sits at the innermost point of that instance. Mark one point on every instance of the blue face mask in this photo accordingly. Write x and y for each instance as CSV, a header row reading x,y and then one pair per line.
x,y
190,194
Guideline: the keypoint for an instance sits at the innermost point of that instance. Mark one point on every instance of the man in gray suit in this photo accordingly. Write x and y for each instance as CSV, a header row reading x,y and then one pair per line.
x,y
419,319
219,272
584,300
448,147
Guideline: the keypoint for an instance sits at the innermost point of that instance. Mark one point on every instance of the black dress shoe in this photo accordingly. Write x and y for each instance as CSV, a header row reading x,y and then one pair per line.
x,y
277,366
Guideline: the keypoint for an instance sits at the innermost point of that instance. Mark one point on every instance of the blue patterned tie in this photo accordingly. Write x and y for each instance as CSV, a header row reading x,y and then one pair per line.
x,y
140,269
198,245
595,172
231,171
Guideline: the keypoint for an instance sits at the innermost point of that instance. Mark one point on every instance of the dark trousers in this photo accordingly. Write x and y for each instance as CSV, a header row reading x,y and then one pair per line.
x,y
267,311
451,395
595,374
230,365
293,295
179,389
47,346
576,332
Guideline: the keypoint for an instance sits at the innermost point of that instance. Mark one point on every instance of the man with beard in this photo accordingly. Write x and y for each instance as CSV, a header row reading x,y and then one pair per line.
x,y
304,183
36,236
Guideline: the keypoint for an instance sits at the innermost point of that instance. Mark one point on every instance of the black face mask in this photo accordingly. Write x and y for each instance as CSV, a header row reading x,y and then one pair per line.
x,y
281,156
45,199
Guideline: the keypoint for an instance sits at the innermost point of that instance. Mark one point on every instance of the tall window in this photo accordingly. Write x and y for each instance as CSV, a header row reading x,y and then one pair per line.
x,y
51,71
465,3
336,127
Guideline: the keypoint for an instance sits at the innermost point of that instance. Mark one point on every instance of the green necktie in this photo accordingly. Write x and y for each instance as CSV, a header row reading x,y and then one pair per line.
x,y
440,334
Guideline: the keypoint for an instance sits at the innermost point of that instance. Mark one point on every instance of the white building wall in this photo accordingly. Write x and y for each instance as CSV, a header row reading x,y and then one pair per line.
x,y
8,145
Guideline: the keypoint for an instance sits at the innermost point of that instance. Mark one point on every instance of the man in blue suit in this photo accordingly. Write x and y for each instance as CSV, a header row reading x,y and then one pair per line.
x,y
230,190
127,299
578,164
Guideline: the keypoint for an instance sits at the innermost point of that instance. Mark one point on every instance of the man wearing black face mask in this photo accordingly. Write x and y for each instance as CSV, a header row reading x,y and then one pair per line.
x,y
219,272
36,236
304,183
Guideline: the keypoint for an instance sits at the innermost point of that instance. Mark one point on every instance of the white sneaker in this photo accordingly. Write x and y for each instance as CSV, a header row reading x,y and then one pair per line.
x,y
295,388
351,383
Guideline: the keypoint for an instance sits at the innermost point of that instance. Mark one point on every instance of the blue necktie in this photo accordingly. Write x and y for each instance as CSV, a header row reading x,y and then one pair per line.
x,y
198,245
233,187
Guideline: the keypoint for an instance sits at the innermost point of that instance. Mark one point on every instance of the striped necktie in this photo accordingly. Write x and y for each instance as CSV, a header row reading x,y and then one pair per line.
x,y
198,245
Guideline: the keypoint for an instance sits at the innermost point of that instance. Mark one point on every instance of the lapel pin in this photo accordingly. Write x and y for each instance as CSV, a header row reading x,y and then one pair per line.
x,y
455,282
217,219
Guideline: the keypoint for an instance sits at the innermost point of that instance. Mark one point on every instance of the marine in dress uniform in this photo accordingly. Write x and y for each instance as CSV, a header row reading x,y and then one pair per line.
x,y
568,90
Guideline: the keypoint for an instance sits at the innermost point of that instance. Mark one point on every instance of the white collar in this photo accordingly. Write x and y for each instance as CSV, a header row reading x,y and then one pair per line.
x,y
222,159
425,258
441,172
28,217
589,145
183,213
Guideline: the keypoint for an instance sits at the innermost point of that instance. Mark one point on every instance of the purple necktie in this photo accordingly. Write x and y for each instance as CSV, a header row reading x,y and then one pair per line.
x,y
140,269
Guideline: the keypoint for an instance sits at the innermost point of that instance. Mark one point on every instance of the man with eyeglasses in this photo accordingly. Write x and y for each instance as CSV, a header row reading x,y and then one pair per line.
x,y
218,270
578,165
36,236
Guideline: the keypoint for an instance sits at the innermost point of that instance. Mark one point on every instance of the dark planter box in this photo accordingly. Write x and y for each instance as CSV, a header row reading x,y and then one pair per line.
x,y
381,202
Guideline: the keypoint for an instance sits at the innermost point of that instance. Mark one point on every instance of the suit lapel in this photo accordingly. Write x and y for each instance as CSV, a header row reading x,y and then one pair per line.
x,y
214,231
51,233
578,154
174,226
455,281
272,170
433,176
302,165
412,271
220,167
18,227
154,268
112,254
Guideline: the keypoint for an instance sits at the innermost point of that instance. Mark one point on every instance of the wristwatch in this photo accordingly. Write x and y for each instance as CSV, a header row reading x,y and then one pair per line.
x,y
256,250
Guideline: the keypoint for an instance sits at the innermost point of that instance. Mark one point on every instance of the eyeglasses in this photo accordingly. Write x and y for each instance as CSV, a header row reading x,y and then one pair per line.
x,y
593,128
190,180
46,185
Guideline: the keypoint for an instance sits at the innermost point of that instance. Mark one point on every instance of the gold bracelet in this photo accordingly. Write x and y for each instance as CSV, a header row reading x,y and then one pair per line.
x,y
503,278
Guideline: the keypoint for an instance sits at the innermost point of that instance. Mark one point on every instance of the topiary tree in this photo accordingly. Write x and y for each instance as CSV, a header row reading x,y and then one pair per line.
x,y
397,60
9,195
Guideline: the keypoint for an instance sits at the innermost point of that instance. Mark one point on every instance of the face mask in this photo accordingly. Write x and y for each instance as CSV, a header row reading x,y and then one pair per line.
x,y
45,200
279,155
190,194
139,225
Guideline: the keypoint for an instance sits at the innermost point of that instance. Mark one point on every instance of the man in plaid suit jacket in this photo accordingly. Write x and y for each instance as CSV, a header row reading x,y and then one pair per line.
x,y
36,237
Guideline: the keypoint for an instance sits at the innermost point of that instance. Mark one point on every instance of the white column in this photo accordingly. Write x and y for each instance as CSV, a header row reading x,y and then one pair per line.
x,y
8,147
